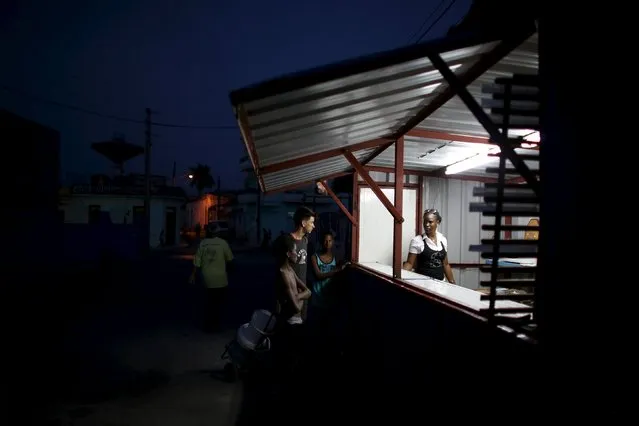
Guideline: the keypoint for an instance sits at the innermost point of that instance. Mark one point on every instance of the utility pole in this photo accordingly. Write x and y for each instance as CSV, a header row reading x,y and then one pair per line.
x,y
147,178
258,207
219,195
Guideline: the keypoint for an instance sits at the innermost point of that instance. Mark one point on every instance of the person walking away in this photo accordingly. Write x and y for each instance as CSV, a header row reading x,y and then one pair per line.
x,y
213,259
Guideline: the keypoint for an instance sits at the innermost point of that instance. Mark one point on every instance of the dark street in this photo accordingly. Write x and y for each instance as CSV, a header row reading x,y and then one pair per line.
x,y
133,353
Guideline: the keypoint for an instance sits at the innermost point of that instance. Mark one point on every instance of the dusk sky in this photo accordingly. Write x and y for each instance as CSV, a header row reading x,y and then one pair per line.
x,y
180,58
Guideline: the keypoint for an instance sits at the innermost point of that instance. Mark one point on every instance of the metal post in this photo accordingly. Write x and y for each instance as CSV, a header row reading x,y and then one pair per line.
x,y
219,195
258,206
399,201
147,177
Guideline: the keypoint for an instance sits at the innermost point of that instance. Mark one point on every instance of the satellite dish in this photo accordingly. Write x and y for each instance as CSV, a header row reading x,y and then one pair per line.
x,y
118,151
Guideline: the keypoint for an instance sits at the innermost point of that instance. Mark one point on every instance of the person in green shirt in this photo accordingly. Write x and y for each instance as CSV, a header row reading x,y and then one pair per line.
x,y
213,259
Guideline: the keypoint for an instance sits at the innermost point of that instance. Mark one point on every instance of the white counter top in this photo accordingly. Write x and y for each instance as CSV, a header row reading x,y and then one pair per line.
x,y
455,293
388,270
519,261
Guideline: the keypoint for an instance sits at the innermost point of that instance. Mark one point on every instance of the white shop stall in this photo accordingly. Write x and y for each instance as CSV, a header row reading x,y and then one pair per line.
x,y
396,122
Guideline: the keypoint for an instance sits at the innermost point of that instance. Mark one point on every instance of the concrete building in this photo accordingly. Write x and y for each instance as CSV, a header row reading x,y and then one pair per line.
x,y
121,201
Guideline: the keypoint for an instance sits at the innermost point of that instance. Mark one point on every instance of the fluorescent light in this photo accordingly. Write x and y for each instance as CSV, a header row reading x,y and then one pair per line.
x,y
532,140
530,137
527,145
477,160
533,137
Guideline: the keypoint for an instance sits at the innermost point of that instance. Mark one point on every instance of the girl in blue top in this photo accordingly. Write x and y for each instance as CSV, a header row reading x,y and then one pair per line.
x,y
323,316
324,267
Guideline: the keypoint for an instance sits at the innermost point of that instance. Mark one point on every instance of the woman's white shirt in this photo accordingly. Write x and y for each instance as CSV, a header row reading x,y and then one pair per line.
x,y
417,243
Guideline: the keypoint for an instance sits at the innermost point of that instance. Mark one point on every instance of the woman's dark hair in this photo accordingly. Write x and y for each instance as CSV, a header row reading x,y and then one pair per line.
x,y
326,234
435,213
302,214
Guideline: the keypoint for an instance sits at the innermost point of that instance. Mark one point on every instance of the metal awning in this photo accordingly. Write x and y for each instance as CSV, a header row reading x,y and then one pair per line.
x,y
297,127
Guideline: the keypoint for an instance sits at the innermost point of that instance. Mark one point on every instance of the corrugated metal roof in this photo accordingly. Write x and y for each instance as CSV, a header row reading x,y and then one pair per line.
x,y
343,105
347,111
455,117
480,171
317,170
430,154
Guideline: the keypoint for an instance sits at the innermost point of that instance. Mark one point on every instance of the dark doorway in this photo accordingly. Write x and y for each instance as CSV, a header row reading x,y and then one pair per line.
x,y
170,224
139,224
94,214
138,215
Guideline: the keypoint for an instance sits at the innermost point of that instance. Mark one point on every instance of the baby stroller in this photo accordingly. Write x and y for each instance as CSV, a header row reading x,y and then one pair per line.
x,y
250,349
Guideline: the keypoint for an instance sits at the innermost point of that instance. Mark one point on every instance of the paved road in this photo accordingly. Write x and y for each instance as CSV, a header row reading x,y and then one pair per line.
x,y
133,353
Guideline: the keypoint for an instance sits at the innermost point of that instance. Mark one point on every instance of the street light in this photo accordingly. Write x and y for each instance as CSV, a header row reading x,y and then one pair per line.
x,y
190,176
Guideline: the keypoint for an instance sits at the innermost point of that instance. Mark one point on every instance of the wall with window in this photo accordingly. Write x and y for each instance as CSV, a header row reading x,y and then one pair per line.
x,y
205,209
82,209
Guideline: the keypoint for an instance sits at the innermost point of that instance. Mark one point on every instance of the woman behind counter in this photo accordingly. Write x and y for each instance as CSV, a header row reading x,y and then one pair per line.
x,y
427,253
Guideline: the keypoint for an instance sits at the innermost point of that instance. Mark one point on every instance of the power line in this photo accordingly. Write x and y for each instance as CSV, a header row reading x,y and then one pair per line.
x,y
188,126
110,116
76,108
423,24
441,15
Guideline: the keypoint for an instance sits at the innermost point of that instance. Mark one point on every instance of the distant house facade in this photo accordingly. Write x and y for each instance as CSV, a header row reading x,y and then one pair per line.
x,y
250,213
253,212
120,200
207,208
274,212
